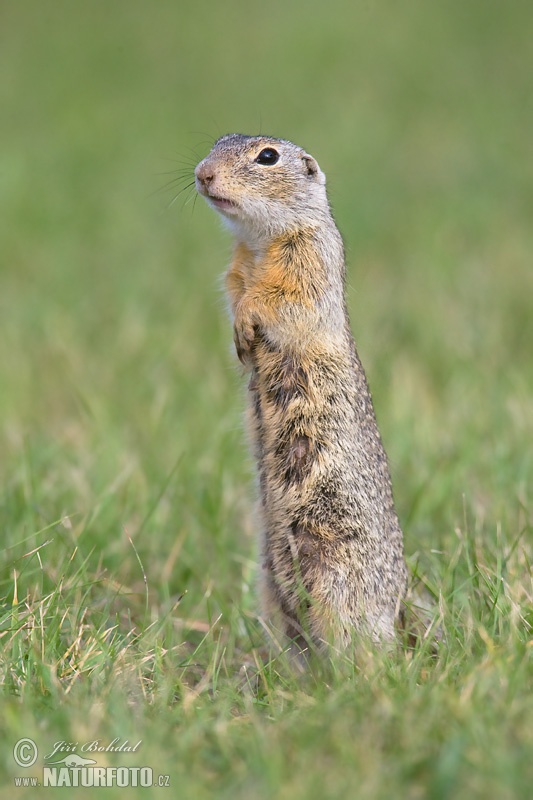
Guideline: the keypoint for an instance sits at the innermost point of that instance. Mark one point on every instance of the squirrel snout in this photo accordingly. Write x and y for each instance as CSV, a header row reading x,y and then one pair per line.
x,y
204,174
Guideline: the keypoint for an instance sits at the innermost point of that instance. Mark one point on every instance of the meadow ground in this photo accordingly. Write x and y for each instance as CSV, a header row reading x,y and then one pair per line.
x,y
126,499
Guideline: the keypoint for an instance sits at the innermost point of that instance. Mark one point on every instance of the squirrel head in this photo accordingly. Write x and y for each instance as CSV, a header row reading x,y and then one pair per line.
x,y
262,186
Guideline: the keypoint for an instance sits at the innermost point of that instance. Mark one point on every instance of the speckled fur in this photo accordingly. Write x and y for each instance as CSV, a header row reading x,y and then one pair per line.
x,y
331,545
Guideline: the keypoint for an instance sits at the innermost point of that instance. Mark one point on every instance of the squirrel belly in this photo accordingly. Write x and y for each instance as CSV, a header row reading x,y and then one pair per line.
x,y
332,562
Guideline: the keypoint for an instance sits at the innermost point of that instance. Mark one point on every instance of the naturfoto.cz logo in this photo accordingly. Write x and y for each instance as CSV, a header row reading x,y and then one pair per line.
x,y
71,769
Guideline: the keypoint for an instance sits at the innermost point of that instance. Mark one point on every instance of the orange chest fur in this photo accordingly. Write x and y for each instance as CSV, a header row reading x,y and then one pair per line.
x,y
274,276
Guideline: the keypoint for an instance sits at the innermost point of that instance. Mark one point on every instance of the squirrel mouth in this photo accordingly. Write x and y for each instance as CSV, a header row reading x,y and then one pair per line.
x,y
221,203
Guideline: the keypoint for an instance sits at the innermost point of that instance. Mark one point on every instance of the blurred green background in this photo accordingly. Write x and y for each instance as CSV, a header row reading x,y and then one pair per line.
x,y
120,400
115,347
115,357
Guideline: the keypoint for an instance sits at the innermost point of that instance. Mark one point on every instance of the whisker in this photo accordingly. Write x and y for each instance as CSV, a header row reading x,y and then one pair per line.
x,y
194,153
180,179
169,185
175,172
191,197
209,139
184,189
187,162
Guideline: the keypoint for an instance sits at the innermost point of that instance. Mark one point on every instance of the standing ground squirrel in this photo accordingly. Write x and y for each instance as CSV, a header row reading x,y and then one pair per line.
x,y
331,544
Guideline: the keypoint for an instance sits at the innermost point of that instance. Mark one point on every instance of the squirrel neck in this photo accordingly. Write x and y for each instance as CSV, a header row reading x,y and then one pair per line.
x,y
258,233
293,287
311,255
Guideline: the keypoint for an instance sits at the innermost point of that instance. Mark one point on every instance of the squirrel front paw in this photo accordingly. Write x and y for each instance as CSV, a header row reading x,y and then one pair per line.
x,y
244,332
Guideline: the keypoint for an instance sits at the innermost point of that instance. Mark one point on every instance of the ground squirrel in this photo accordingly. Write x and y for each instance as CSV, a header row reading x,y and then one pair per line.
x,y
331,544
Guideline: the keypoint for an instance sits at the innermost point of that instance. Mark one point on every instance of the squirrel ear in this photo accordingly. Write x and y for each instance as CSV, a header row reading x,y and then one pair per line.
x,y
313,170
310,163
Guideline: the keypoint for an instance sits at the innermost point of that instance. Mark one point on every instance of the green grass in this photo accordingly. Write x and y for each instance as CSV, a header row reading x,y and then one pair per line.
x,y
126,500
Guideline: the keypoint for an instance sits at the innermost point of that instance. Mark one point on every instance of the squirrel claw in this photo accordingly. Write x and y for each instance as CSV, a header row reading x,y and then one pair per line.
x,y
244,336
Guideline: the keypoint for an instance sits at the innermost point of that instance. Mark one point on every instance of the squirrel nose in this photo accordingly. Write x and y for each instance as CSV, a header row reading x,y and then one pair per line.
x,y
204,174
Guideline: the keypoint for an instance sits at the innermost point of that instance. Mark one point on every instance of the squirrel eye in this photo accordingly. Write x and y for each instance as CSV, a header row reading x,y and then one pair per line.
x,y
267,157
